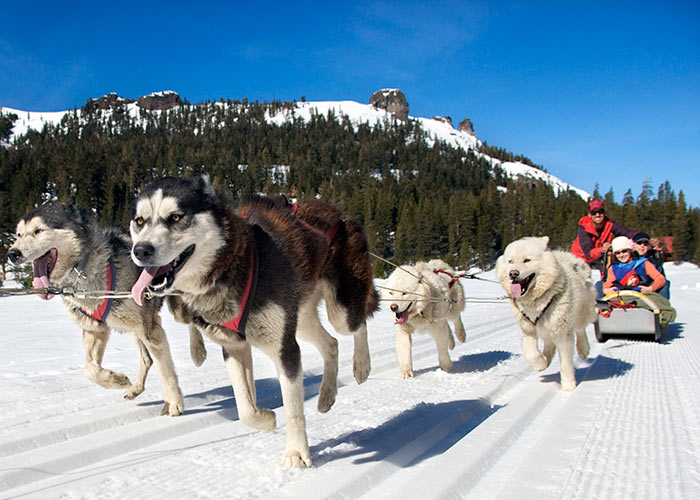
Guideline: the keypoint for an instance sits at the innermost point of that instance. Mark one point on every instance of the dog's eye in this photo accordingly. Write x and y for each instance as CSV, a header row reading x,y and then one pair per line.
x,y
174,218
139,221
38,231
525,261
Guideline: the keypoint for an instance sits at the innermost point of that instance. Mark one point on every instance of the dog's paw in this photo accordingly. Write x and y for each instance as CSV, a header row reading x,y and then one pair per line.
x,y
406,374
568,385
446,367
326,396
461,335
119,379
133,391
361,369
296,459
198,353
173,408
540,363
263,420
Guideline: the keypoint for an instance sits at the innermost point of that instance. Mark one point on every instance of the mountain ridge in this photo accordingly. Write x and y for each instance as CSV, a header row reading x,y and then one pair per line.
x,y
438,128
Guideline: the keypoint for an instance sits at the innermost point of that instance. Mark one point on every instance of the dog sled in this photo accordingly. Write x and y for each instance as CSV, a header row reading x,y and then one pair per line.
x,y
631,313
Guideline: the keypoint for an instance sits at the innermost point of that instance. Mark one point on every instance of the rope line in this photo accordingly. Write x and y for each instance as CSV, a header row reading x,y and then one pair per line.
x,y
476,300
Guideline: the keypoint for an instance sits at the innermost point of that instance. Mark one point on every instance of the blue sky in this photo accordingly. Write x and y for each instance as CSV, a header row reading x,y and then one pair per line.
x,y
595,92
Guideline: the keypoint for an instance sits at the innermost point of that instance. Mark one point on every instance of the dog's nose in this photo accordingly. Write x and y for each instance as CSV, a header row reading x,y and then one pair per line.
x,y
15,256
514,274
394,307
144,251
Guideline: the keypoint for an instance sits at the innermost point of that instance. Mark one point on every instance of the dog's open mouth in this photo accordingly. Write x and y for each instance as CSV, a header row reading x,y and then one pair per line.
x,y
42,269
518,288
402,317
159,279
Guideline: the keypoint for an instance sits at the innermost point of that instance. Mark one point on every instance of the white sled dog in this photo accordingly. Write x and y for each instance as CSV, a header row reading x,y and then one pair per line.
x,y
425,297
552,298
246,282
67,247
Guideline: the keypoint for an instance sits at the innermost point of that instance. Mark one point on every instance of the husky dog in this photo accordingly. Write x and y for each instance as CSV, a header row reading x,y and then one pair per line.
x,y
68,248
347,285
248,282
552,298
424,297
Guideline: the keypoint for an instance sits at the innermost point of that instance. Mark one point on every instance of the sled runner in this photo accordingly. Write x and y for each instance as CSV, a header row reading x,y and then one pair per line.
x,y
630,313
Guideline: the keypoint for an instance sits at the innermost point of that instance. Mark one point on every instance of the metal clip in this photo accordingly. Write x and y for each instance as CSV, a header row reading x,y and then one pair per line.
x,y
66,290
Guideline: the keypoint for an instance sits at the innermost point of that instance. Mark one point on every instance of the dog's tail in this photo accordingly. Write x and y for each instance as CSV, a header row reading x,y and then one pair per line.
x,y
358,263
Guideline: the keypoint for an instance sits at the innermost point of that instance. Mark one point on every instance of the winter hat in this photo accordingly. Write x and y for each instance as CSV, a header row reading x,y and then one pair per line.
x,y
621,243
641,236
595,205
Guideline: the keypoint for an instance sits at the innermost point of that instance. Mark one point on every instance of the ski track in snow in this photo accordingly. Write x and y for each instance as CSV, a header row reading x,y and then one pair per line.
x,y
493,428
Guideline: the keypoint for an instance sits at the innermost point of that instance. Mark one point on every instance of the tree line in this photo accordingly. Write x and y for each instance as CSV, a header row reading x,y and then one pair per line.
x,y
416,201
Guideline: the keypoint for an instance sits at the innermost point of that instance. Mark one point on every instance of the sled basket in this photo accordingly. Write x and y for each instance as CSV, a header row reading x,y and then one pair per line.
x,y
627,313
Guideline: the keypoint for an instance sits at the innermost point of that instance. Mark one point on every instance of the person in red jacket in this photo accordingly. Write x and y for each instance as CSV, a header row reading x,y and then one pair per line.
x,y
595,234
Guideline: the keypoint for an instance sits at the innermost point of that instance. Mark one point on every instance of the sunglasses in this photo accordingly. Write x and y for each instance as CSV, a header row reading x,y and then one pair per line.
x,y
643,242
619,252
596,212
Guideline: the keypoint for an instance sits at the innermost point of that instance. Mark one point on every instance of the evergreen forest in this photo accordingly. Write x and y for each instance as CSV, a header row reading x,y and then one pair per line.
x,y
415,201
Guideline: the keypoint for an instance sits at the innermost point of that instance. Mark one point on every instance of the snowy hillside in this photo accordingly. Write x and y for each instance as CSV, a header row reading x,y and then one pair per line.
x,y
436,129
491,429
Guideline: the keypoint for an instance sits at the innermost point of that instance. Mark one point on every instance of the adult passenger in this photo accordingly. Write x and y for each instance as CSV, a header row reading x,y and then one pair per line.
x,y
642,244
595,234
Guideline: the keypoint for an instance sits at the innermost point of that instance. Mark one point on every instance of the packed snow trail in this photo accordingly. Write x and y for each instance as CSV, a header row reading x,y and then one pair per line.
x,y
492,428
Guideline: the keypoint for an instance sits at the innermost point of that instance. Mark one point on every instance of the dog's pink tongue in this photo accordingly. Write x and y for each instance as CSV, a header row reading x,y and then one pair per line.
x,y
139,288
516,289
41,276
401,317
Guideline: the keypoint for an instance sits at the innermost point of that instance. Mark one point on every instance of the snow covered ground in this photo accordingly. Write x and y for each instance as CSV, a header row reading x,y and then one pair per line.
x,y
493,428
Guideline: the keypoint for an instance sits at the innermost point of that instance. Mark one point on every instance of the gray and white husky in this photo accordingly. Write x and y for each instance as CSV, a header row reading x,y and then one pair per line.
x,y
253,281
67,247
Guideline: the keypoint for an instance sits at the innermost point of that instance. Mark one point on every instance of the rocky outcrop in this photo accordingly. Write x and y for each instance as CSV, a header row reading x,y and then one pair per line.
x,y
391,100
444,119
159,101
110,101
467,126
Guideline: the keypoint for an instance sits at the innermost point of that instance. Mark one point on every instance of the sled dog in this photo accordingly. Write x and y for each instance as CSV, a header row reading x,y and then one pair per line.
x,y
425,297
552,298
347,284
247,282
67,247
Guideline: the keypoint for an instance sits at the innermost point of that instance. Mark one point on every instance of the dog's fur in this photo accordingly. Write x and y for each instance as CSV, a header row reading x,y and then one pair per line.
x,y
552,298
185,222
57,239
422,300
347,284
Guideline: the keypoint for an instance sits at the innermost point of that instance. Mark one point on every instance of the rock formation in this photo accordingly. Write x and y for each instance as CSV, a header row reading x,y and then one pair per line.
x,y
391,100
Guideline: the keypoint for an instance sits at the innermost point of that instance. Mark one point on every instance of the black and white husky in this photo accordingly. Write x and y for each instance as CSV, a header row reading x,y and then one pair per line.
x,y
67,248
253,281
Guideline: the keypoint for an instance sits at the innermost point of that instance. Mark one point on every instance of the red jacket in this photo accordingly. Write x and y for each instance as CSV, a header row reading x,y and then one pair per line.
x,y
588,243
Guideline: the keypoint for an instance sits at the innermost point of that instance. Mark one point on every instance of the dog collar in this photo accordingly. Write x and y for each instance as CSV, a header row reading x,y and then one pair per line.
x,y
534,322
238,323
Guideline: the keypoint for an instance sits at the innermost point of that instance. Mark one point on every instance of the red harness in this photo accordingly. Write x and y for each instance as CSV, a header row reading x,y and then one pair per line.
x,y
329,235
103,310
454,277
238,323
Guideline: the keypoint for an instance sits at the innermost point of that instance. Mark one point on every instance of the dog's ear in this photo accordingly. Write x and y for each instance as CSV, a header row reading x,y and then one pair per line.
x,y
544,241
205,184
